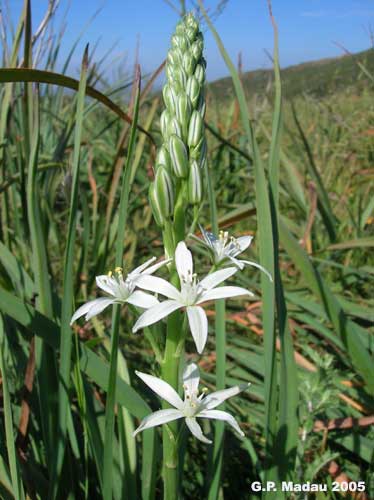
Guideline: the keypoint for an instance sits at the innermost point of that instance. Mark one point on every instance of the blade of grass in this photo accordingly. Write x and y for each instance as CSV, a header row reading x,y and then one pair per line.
x,y
94,367
344,327
8,419
39,76
216,457
68,289
267,239
45,360
123,211
287,434
323,199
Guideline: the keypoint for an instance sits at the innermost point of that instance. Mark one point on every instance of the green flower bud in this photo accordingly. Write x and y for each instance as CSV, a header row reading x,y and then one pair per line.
x,y
191,22
199,73
179,29
195,184
178,156
155,206
163,158
190,33
174,128
180,76
189,63
201,105
193,90
164,123
195,129
169,70
183,112
199,152
180,41
164,191
174,56
197,49
203,153
170,98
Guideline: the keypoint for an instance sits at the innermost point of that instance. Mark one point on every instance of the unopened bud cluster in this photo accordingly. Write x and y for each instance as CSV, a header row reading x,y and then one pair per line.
x,y
181,158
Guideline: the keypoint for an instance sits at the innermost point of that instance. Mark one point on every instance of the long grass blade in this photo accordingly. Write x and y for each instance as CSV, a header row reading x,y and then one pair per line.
x,y
68,288
39,76
9,429
123,211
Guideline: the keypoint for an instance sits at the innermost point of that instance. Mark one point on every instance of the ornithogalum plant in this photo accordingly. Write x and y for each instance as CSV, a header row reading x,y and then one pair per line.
x,y
175,196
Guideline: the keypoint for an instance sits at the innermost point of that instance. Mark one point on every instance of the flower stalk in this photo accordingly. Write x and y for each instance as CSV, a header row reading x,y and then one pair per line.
x,y
174,188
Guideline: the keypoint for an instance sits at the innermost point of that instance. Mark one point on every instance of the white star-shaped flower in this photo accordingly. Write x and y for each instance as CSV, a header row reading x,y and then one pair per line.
x,y
225,248
193,406
191,294
120,290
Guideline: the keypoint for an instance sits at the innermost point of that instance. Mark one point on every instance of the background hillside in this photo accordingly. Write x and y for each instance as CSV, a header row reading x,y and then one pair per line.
x,y
319,78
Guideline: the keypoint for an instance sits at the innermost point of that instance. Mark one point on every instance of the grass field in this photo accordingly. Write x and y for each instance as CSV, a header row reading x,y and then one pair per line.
x,y
289,160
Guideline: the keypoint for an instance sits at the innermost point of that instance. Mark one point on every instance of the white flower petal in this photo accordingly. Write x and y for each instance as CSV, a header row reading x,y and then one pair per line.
x,y
224,292
98,305
254,264
158,418
183,260
196,430
81,311
199,326
217,277
158,285
243,242
142,299
107,284
91,308
221,415
140,269
156,313
216,398
162,389
191,378
156,266
236,262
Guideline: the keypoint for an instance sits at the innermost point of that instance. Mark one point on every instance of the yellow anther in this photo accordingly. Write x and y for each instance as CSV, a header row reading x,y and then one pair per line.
x,y
204,389
118,270
110,274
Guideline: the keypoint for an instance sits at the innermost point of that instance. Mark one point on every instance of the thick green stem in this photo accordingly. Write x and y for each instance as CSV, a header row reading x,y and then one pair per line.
x,y
170,372
170,367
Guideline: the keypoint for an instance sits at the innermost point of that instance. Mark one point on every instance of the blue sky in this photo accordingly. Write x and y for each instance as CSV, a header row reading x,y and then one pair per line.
x,y
307,28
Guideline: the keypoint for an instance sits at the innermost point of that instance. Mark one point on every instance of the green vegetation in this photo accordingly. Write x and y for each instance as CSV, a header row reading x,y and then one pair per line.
x,y
317,78
75,172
